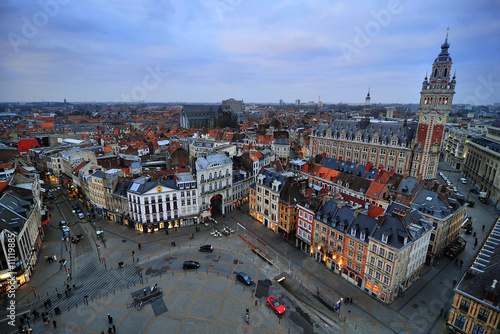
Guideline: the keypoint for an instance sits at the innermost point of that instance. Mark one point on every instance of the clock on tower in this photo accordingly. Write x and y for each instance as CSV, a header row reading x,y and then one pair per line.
x,y
435,105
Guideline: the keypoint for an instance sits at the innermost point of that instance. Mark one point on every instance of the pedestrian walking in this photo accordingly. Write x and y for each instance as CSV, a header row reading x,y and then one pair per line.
x,y
110,319
247,317
110,330
454,282
445,314
442,311
74,287
54,323
102,332
350,300
114,329
461,263
483,228
166,231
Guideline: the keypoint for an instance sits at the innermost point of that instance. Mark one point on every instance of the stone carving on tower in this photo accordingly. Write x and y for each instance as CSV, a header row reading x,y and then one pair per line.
x,y
435,106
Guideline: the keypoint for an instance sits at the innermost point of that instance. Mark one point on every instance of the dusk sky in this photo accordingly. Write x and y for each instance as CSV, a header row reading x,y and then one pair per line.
x,y
258,51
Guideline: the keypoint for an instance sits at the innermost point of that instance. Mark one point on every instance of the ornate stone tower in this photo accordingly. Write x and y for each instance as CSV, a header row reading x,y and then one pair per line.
x,y
435,106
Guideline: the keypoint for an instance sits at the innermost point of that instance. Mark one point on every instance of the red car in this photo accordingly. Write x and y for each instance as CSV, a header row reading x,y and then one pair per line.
x,y
275,304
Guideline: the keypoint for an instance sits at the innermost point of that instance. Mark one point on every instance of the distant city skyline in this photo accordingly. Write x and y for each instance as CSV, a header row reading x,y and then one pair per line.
x,y
257,51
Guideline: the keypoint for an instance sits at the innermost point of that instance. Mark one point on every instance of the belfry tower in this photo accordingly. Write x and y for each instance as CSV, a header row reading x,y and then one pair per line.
x,y
435,106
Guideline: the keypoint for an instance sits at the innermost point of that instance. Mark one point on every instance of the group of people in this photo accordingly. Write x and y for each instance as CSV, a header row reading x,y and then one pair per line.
x,y
111,330
50,258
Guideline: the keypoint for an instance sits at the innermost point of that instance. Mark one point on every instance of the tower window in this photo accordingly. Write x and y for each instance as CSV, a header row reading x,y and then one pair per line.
x,y
435,72
445,72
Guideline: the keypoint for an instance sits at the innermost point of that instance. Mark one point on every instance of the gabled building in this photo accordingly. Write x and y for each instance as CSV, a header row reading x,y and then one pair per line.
x,y
445,212
306,223
293,193
265,196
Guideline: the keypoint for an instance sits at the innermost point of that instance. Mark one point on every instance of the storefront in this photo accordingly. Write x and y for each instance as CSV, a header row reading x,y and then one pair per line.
x,y
169,224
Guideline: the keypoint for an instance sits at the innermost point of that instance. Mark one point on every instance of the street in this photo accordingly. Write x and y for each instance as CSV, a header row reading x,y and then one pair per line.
x,y
209,299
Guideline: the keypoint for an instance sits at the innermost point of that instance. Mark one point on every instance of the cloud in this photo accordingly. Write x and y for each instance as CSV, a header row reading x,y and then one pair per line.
x,y
256,50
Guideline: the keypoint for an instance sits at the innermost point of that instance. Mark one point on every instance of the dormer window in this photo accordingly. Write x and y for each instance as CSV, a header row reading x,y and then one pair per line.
x,y
353,232
362,236
385,238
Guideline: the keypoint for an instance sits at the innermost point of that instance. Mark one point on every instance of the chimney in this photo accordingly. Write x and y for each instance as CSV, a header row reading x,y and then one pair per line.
x,y
380,220
356,212
326,198
341,203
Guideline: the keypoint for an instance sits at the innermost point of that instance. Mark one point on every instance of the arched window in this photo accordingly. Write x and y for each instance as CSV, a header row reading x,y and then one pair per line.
x,y
445,72
435,73
210,176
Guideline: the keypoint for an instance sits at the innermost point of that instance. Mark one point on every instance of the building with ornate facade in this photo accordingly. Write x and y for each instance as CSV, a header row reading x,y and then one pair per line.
x,y
475,307
383,256
405,147
482,161
455,141
445,211
158,205
214,176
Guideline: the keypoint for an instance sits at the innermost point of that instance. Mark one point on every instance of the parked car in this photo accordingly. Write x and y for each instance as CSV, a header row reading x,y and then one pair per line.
x,y
206,248
463,180
190,265
275,305
474,191
81,215
244,278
